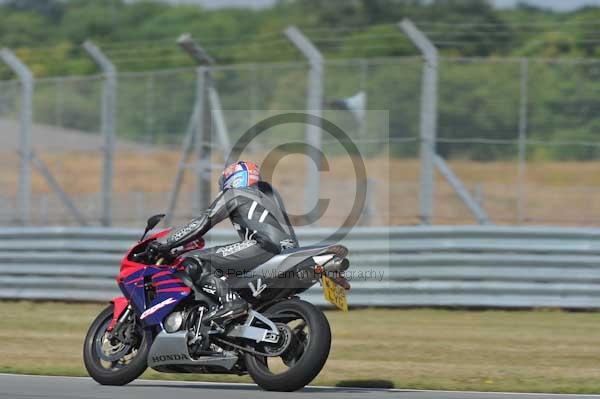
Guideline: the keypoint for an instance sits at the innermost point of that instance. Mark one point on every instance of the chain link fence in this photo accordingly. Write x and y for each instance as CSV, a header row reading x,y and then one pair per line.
x,y
521,135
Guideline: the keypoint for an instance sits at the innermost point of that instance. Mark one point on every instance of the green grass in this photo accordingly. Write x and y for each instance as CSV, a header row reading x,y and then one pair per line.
x,y
528,351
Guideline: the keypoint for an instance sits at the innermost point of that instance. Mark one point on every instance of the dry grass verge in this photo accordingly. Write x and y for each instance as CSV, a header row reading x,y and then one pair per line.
x,y
546,351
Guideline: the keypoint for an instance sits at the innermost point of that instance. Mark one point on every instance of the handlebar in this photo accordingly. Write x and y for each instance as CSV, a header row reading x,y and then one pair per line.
x,y
150,256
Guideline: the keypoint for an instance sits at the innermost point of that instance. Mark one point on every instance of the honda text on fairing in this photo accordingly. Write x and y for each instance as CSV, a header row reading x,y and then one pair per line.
x,y
161,322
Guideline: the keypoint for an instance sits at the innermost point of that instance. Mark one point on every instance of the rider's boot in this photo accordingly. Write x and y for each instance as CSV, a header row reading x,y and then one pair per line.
x,y
232,305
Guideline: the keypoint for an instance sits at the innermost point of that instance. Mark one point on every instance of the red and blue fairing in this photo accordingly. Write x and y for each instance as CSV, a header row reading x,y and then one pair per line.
x,y
152,290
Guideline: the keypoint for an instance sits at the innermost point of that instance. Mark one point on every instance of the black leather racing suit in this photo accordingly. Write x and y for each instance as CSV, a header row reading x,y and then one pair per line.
x,y
258,214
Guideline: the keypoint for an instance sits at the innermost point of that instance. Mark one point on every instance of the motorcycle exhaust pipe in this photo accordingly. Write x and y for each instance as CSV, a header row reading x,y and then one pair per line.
x,y
337,265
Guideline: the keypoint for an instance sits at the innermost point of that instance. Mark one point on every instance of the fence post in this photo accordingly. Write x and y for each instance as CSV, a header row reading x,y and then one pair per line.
x,y
313,133
522,139
428,117
364,87
109,111
203,144
202,136
26,114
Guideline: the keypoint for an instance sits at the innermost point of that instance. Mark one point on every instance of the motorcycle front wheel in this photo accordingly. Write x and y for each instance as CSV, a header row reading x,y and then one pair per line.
x,y
115,360
304,345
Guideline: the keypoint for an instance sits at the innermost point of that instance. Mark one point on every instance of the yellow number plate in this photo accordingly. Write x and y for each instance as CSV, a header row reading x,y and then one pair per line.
x,y
334,293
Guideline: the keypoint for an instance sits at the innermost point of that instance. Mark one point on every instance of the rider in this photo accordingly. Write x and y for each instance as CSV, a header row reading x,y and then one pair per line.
x,y
256,212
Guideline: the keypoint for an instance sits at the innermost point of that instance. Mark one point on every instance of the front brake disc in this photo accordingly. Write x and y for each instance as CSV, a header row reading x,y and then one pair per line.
x,y
108,351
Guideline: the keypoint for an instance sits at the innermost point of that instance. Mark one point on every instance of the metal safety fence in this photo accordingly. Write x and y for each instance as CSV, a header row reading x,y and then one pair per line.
x,y
470,266
520,136
445,140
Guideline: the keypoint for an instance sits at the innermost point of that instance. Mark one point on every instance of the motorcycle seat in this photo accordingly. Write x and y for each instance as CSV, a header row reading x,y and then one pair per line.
x,y
293,256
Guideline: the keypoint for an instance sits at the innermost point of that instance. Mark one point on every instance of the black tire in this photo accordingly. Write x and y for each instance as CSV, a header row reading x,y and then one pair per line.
x,y
312,359
115,376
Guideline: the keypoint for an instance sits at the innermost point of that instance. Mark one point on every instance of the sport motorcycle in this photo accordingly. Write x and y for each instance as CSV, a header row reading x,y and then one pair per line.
x,y
282,342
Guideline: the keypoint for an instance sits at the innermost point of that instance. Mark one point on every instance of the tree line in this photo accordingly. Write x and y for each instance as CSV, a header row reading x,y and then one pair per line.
x,y
478,99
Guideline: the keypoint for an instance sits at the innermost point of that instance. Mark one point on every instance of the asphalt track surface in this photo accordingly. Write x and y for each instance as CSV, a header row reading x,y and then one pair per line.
x,y
45,387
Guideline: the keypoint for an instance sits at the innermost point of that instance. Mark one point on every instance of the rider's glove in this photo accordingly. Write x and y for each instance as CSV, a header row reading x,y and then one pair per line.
x,y
157,249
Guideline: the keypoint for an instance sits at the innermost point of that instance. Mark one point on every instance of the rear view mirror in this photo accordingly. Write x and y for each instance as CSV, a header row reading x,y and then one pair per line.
x,y
151,223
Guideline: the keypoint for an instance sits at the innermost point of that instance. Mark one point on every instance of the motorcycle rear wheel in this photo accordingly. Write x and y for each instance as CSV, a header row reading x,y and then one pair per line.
x,y
123,369
304,358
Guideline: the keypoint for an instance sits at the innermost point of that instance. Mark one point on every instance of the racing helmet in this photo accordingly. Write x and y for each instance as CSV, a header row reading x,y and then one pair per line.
x,y
239,175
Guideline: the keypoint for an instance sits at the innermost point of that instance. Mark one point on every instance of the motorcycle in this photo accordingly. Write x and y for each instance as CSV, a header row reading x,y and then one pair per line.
x,y
282,342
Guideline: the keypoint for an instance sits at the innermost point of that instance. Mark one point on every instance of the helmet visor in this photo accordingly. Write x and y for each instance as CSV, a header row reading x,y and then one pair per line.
x,y
235,180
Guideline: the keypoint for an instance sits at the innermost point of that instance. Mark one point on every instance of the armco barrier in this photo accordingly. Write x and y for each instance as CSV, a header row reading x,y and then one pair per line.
x,y
475,266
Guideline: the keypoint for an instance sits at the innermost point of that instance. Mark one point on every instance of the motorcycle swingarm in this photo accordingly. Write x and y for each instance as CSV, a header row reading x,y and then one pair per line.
x,y
258,334
282,317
